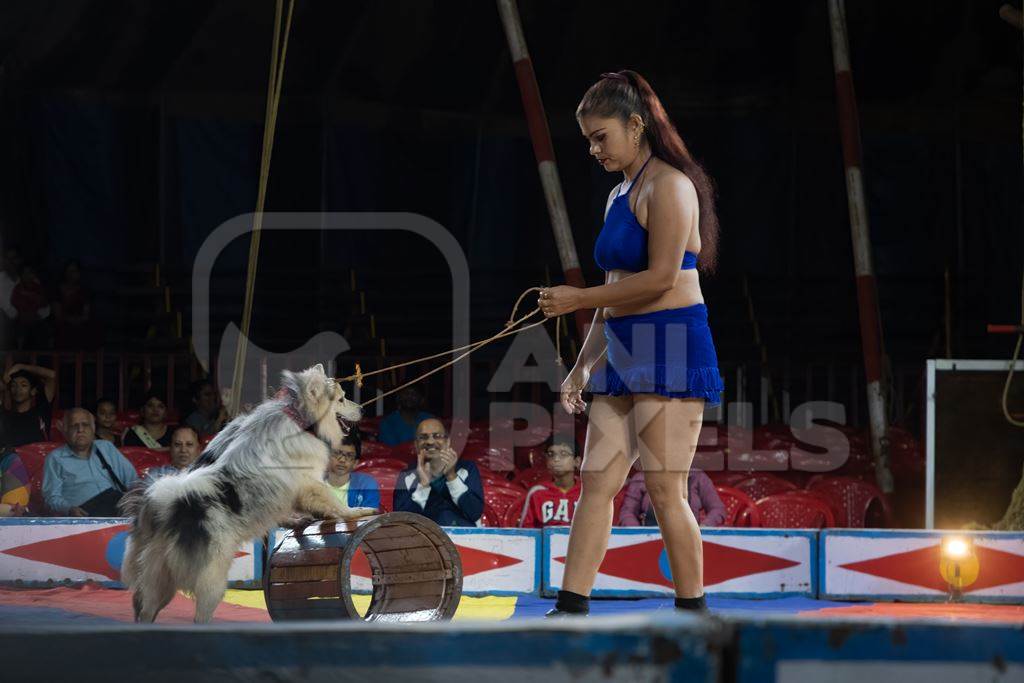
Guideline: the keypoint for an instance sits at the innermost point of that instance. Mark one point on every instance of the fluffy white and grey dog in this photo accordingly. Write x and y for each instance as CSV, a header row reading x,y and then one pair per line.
x,y
260,470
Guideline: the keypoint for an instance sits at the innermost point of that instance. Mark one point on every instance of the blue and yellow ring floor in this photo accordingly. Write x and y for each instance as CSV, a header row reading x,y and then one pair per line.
x,y
93,604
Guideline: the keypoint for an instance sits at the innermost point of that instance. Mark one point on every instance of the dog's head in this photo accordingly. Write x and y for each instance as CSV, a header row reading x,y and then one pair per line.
x,y
321,401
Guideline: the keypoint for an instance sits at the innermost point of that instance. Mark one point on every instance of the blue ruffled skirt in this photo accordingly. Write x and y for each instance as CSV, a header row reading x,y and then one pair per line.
x,y
668,352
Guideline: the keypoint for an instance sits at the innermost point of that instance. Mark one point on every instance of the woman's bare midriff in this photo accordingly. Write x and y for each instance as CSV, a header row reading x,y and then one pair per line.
x,y
686,292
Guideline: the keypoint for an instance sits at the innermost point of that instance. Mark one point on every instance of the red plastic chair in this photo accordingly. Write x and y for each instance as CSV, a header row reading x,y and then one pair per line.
x,y
33,456
532,476
617,502
386,481
726,478
795,510
740,509
762,484
490,517
857,503
404,451
142,459
514,511
381,464
371,425
372,450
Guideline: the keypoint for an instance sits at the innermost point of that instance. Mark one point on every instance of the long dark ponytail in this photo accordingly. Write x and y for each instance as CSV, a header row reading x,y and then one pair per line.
x,y
624,93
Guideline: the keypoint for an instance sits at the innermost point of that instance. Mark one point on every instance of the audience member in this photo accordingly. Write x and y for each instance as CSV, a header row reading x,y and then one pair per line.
x,y
13,485
31,324
400,425
106,421
152,430
354,489
440,486
27,414
74,327
551,503
707,507
209,415
184,451
8,279
85,477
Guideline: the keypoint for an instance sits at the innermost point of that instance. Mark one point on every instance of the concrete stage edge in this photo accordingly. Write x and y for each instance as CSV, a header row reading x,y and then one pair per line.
x,y
676,647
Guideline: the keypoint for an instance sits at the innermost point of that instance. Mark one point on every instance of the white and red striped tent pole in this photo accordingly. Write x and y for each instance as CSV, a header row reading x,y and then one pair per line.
x,y
545,152
867,294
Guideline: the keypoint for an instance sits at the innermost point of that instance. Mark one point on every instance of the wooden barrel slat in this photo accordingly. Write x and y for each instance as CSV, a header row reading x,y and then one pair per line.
x,y
397,578
431,589
403,557
379,545
321,604
300,558
304,589
322,572
417,572
409,604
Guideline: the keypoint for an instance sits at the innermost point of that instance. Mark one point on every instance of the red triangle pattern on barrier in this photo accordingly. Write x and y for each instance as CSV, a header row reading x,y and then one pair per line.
x,y
642,563
921,568
85,552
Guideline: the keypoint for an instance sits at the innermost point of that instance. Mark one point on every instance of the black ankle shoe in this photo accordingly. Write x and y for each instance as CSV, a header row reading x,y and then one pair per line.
x,y
556,613
698,604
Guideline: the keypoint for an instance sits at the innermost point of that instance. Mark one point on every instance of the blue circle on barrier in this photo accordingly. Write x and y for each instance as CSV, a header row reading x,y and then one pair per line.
x,y
663,565
115,550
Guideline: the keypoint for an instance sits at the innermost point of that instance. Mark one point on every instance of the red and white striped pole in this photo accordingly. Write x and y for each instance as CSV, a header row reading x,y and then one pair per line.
x,y
537,123
867,294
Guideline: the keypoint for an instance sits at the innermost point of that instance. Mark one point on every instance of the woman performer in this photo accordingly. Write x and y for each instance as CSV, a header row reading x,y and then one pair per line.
x,y
648,359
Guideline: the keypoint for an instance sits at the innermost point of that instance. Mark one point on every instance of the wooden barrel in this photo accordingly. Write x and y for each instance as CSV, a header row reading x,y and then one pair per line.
x,y
416,572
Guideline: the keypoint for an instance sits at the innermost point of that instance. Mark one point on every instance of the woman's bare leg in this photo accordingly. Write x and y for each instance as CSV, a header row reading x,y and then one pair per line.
x,y
668,430
607,457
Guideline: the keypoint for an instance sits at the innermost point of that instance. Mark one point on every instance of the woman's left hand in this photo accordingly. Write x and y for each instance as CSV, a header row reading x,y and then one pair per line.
x,y
559,300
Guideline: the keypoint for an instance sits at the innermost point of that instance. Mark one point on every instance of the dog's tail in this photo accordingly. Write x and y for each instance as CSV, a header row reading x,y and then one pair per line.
x,y
131,503
134,504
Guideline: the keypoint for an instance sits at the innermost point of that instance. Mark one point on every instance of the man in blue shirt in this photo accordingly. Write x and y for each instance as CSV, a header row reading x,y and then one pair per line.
x,y
440,486
354,489
400,426
76,482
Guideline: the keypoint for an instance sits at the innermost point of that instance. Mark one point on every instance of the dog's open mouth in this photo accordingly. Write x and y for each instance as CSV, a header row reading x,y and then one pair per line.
x,y
345,425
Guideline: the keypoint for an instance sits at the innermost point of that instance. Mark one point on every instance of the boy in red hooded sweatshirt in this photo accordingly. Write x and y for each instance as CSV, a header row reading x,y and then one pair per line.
x,y
552,503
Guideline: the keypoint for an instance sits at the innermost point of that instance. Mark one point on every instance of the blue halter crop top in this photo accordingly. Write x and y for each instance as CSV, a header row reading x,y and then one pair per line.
x,y
622,242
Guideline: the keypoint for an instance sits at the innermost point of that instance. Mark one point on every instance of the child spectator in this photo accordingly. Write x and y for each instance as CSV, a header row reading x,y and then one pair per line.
x,y
354,489
28,413
552,503
106,421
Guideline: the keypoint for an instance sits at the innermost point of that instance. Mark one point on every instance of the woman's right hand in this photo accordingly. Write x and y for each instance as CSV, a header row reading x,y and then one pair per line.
x,y
572,390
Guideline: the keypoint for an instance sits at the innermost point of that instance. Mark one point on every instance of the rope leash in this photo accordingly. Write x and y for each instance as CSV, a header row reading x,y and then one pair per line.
x,y
508,330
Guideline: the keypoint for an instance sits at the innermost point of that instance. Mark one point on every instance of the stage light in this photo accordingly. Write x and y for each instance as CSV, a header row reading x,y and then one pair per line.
x,y
958,565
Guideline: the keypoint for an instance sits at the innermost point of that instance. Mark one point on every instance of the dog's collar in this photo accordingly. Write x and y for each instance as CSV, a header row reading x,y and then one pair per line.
x,y
290,411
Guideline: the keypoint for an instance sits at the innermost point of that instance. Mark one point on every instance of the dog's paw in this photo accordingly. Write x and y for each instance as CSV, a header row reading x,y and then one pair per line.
x,y
298,522
356,513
